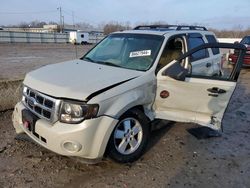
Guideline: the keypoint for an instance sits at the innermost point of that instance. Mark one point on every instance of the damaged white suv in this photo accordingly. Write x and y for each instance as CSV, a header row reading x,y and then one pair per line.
x,y
105,101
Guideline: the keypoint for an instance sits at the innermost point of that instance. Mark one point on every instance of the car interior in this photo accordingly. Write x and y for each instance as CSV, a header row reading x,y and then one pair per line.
x,y
173,50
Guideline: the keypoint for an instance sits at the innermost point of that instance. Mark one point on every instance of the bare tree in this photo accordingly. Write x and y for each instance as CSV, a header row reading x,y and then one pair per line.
x,y
84,26
23,25
236,32
115,26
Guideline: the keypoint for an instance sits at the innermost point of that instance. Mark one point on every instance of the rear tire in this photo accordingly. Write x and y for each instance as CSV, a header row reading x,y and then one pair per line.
x,y
129,138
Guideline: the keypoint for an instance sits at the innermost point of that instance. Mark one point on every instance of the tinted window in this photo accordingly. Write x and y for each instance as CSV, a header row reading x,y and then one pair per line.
x,y
194,42
246,40
211,39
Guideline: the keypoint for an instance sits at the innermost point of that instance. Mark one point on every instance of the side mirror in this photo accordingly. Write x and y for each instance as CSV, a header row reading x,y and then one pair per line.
x,y
176,71
236,42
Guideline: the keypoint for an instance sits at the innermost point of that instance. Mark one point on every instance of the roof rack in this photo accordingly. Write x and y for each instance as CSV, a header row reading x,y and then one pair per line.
x,y
169,27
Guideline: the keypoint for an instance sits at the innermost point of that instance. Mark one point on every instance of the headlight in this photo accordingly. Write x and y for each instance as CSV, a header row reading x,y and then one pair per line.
x,y
76,112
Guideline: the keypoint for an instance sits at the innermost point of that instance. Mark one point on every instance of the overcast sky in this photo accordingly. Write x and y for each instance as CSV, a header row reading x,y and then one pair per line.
x,y
220,14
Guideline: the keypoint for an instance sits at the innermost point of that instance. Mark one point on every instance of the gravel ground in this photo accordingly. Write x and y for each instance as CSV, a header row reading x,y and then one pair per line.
x,y
174,157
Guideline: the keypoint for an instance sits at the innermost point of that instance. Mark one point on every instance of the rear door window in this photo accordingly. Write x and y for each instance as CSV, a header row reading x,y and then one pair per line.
x,y
246,40
194,41
212,39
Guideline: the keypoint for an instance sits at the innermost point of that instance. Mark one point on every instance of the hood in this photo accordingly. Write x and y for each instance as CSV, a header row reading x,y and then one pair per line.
x,y
77,79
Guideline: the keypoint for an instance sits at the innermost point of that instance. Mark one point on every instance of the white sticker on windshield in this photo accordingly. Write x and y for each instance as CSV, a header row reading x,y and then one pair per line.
x,y
140,53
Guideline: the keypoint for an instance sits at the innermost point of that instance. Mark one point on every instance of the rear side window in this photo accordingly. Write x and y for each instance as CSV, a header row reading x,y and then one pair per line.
x,y
211,39
194,42
246,40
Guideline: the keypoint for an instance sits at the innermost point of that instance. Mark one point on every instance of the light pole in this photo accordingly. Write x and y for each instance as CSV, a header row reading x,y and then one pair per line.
x,y
60,11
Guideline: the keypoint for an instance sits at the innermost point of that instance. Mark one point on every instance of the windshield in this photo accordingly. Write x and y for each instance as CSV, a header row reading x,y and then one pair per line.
x,y
130,51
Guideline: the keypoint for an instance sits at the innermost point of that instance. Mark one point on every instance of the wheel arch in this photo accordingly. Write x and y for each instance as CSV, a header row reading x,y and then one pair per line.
x,y
137,107
136,111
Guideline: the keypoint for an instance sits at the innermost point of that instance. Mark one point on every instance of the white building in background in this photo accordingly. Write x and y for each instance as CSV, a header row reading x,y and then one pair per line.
x,y
44,29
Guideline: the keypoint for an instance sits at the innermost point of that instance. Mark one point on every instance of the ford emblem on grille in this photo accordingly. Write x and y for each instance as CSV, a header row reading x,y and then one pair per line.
x,y
32,102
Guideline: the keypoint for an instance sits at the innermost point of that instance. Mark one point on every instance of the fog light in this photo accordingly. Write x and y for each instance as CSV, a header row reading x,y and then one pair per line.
x,y
71,146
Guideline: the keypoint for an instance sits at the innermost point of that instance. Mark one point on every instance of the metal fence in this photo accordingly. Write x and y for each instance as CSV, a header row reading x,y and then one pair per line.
x,y
30,37
93,39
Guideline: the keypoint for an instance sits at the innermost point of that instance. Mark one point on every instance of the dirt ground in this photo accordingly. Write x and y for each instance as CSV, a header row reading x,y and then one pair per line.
x,y
174,157
18,59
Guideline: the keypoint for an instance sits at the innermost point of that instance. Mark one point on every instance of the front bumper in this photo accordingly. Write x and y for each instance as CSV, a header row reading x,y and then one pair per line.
x,y
89,138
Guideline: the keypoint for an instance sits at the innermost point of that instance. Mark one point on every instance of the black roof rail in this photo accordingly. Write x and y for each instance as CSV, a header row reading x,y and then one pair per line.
x,y
170,27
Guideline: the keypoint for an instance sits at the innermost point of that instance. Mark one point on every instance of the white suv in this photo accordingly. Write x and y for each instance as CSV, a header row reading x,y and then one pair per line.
x,y
106,101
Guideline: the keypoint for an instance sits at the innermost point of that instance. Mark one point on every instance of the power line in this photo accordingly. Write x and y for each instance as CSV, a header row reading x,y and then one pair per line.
x,y
69,13
31,12
72,14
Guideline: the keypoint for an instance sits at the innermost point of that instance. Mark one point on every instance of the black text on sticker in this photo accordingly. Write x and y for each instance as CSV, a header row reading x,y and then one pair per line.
x,y
140,53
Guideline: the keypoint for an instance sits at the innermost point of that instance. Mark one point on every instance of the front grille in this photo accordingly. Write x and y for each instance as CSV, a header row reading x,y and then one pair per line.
x,y
42,105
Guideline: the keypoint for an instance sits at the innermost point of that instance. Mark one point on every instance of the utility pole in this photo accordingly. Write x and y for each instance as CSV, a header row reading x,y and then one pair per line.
x,y
73,19
62,23
60,11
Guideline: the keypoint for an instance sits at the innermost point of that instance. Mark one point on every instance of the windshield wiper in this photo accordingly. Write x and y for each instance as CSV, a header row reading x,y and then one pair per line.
x,y
88,59
100,62
108,63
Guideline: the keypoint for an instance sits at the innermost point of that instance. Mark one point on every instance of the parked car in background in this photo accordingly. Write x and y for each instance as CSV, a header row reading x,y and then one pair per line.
x,y
234,56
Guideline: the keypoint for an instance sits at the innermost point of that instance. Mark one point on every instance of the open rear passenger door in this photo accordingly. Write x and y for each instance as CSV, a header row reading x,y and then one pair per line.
x,y
185,96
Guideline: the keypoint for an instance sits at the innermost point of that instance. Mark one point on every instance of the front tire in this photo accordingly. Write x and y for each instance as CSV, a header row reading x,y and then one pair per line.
x,y
130,136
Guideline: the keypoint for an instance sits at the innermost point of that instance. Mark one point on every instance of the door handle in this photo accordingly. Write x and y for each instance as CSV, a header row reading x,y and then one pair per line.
x,y
216,90
208,65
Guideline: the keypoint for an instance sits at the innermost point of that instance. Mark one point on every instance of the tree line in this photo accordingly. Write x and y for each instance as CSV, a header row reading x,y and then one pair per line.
x,y
231,33
236,32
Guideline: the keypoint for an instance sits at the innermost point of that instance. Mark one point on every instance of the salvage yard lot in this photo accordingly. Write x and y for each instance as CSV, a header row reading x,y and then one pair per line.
x,y
174,157
17,59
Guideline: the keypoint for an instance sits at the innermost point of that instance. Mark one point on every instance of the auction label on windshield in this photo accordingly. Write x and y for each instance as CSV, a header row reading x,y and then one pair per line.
x,y
140,53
